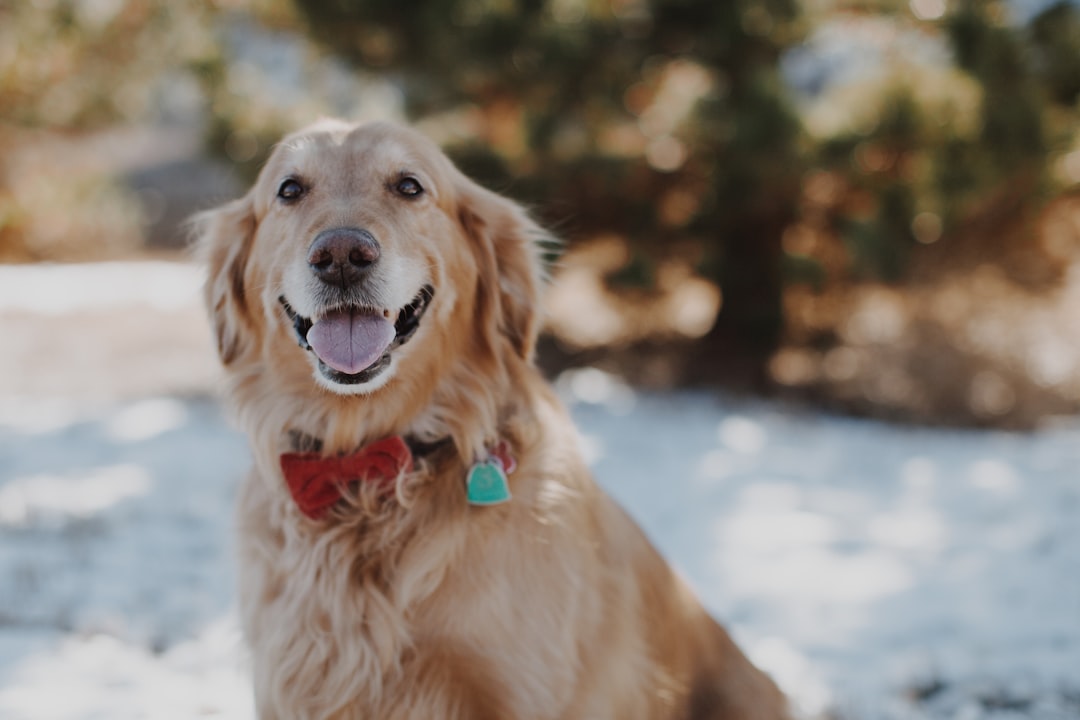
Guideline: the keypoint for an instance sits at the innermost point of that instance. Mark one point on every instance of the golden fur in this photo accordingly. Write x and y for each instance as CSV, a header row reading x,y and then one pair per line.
x,y
553,605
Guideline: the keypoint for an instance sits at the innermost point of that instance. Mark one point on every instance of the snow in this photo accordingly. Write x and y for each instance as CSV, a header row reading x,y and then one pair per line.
x,y
859,561
878,572
116,574
108,285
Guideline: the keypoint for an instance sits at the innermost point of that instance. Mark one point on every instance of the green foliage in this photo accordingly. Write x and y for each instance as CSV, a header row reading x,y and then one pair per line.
x,y
1055,37
1012,104
800,269
953,144
68,70
74,65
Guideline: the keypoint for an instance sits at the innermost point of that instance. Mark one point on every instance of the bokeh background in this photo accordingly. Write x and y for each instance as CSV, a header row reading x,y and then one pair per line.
x,y
871,203
853,208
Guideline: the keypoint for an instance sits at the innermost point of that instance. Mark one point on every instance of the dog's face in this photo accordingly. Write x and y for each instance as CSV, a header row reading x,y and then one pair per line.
x,y
362,259
354,223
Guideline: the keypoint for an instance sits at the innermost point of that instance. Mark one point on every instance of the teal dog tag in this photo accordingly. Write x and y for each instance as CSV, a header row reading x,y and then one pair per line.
x,y
486,483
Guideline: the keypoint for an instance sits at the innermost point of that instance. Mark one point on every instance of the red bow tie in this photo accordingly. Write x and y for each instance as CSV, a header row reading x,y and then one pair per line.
x,y
316,482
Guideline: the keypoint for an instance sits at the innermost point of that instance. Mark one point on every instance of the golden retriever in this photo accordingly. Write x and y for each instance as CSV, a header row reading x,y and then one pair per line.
x,y
376,314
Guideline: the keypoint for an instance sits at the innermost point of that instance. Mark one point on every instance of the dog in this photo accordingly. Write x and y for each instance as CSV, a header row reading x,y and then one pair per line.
x,y
420,537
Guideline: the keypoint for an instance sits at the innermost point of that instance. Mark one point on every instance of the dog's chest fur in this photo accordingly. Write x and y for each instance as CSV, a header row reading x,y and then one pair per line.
x,y
415,606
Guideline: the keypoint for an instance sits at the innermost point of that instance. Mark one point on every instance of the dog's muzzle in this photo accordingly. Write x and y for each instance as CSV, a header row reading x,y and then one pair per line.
x,y
405,326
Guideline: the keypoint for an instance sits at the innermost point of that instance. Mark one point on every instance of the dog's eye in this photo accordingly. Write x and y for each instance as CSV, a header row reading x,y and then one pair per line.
x,y
290,189
408,187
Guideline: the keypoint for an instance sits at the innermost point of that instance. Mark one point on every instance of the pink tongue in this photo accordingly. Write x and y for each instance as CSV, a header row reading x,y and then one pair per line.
x,y
349,341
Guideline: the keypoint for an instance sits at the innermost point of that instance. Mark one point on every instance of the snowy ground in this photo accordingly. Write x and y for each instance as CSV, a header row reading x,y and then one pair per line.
x,y
878,572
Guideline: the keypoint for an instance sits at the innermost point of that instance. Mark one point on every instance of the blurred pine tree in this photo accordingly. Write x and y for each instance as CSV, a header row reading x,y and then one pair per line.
x,y
963,153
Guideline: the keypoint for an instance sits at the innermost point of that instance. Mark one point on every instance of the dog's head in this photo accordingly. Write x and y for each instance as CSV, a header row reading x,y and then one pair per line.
x,y
363,263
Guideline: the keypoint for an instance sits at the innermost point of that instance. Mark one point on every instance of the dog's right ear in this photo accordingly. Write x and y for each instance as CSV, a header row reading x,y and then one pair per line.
x,y
224,237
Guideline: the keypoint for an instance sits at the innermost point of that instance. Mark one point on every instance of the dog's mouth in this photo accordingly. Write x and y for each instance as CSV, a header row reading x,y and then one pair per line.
x,y
353,344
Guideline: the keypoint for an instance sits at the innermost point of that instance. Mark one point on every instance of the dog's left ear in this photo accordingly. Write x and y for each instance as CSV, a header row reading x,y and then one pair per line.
x,y
511,271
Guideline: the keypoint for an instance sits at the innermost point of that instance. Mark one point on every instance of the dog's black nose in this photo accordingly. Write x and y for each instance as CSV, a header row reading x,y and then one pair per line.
x,y
342,256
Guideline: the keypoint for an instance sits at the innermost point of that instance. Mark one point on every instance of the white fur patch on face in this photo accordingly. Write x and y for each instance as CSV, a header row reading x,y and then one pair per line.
x,y
403,278
297,284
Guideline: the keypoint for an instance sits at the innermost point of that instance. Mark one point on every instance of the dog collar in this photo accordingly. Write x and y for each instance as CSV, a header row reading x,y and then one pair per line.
x,y
317,482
